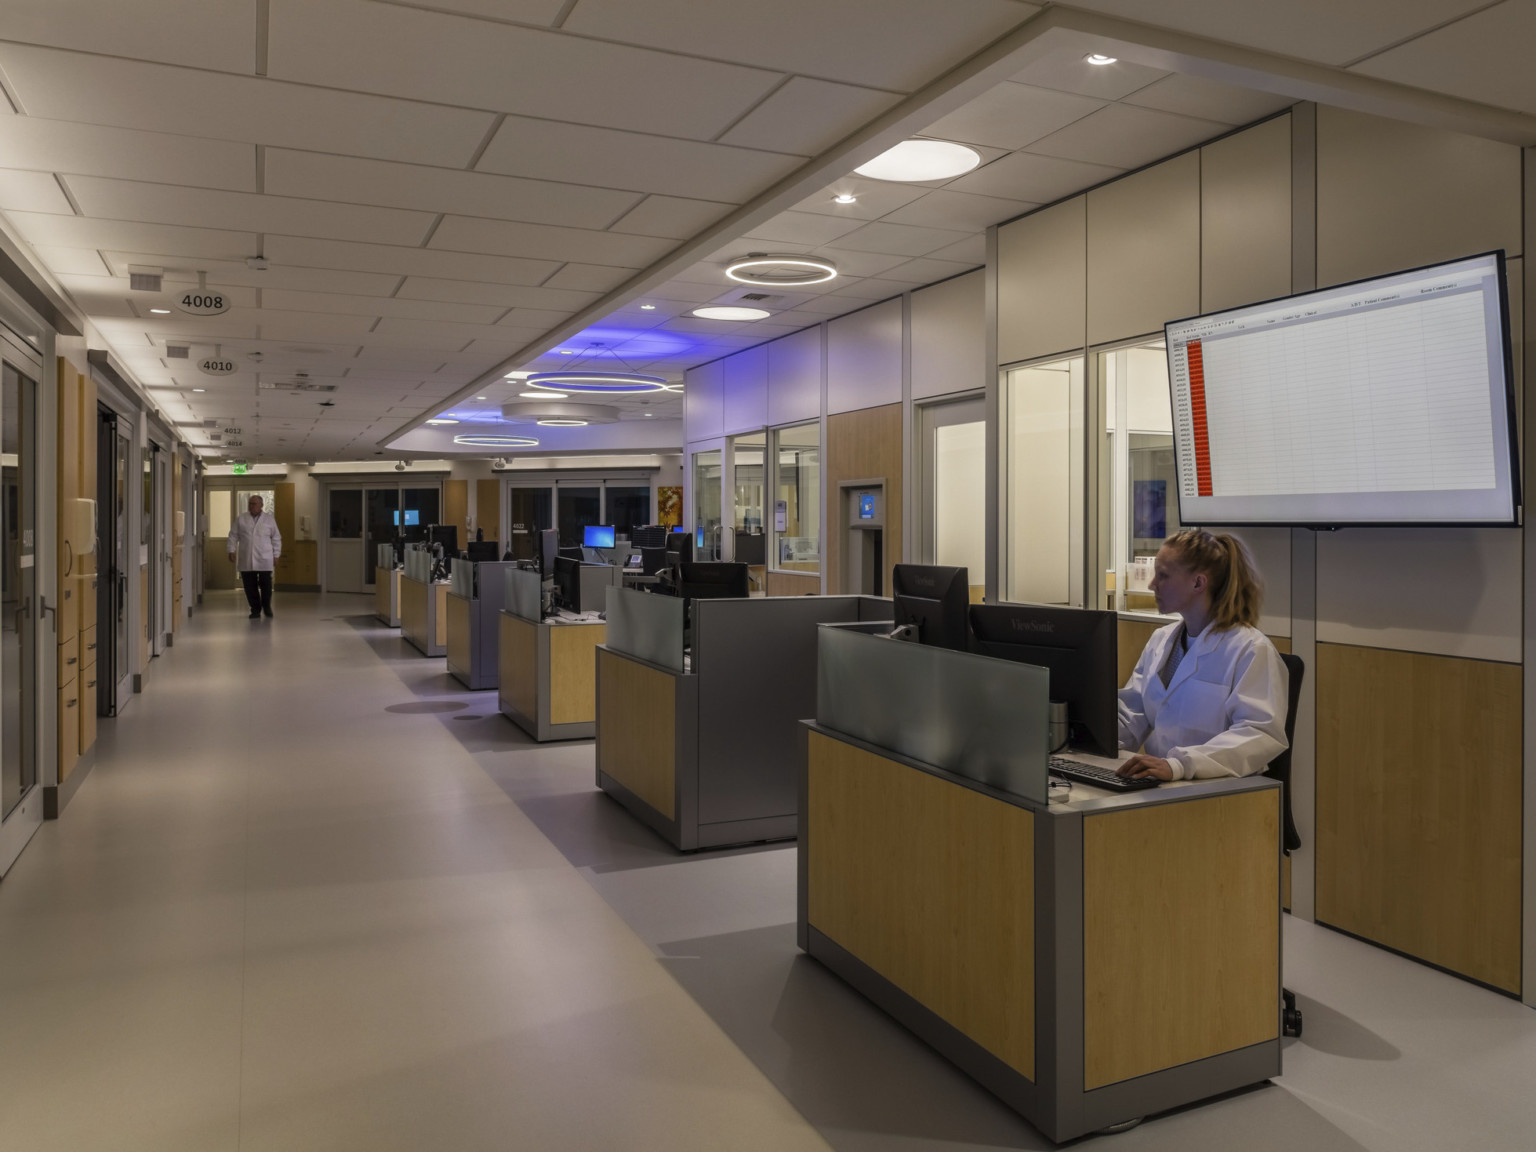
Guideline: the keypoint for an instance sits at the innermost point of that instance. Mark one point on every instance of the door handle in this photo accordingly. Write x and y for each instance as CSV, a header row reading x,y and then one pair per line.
x,y
44,608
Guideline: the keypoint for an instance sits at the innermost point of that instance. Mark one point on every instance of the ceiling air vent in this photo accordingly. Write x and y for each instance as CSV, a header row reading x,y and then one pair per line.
x,y
178,352
298,386
142,278
210,423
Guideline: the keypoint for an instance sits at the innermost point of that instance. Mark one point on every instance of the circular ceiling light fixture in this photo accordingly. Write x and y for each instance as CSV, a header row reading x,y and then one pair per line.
x,y
913,161
602,383
559,415
441,420
477,440
780,271
731,313
542,395
845,198
1099,59
560,422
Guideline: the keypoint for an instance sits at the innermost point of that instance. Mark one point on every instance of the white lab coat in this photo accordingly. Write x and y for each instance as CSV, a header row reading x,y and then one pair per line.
x,y
1222,714
255,542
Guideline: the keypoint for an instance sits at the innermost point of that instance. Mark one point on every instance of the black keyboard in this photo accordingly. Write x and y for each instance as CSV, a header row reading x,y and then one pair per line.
x,y
1098,777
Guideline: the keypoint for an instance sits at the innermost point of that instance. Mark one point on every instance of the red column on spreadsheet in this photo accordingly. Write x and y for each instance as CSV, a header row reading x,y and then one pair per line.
x,y
1196,361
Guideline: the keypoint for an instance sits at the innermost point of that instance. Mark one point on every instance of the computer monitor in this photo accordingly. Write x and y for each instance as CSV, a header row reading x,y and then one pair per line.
x,y
568,582
651,536
681,542
414,534
751,548
1080,649
412,516
597,536
447,535
549,548
932,600
479,550
713,581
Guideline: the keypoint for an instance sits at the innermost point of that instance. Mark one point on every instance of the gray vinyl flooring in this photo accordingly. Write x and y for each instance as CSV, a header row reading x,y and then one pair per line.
x,y
316,896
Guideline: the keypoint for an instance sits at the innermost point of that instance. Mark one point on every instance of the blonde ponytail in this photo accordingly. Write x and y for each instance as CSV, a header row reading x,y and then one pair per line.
x,y
1236,591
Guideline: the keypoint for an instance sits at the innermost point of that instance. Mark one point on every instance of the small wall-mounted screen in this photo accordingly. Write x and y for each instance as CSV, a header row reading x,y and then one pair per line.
x,y
412,516
866,505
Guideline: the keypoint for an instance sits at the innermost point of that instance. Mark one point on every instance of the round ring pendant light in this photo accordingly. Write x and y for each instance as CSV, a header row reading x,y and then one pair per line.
x,y
609,383
479,440
786,271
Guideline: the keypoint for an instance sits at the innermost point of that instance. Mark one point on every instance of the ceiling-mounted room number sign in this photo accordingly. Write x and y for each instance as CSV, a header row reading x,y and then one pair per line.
x,y
200,303
217,366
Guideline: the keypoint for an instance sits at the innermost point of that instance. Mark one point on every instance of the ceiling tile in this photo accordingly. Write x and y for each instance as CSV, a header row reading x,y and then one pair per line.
x,y
547,242
803,228
691,292
246,211
406,261
226,273
609,159
871,289
926,270
32,192
132,94
94,150
1067,71
506,295
534,318
72,261
1036,179
1122,135
671,216
850,263
808,116
380,306
84,232
970,251
589,277
960,210
217,34
1196,96
521,11
354,180
874,198
1321,30
895,44
1012,115
898,239
1485,57
454,60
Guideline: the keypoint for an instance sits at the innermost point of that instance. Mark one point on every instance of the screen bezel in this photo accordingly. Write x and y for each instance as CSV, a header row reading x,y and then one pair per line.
x,y
1511,425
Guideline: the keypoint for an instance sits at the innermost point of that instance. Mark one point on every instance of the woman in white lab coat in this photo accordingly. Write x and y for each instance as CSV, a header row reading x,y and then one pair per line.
x,y
1208,696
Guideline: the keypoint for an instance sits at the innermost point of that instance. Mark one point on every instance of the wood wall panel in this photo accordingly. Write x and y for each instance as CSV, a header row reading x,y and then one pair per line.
x,y
1418,806
863,445
573,672
488,507
792,584
637,730
456,506
931,884
1181,933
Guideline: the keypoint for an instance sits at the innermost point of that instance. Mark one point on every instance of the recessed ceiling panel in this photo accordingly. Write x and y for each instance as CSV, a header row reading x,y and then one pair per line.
x,y
375,306
872,198
604,158
957,210
72,261
806,228
1486,57
218,34
32,192
895,44
359,181
547,242
95,150
1121,134
1012,115
1066,70
671,216
483,64
407,261
590,277
154,97
1037,179
898,239
808,116
222,273
506,295
1208,99
84,232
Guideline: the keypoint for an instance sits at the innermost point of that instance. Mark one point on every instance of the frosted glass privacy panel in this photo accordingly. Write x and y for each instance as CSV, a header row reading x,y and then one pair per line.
x,y
523,594
1386,401
461,578
645,626
385,557
418,564
972,715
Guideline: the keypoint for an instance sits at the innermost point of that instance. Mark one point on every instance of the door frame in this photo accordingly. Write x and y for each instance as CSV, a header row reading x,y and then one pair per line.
x,y
965,408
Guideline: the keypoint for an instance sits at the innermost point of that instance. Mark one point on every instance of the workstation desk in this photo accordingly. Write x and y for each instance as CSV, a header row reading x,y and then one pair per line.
x,y
703,748
476,589
546,681
423,605
1090,963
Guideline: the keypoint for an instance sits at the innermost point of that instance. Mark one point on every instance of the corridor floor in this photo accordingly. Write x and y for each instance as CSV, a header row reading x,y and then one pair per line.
x,y
314,896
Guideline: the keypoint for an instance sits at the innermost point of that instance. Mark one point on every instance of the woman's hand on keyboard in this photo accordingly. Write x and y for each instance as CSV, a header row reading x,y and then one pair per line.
x,y
1142,766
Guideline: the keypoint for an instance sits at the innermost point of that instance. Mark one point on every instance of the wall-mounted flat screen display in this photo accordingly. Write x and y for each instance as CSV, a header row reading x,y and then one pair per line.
x,y
412,516
1386,401
866,505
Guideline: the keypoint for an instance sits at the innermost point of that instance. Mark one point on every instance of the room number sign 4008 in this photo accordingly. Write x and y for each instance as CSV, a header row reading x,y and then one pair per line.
x,y
203,303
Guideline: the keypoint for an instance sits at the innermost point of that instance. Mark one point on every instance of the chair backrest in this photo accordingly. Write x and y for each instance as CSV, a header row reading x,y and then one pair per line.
x,y
1280,767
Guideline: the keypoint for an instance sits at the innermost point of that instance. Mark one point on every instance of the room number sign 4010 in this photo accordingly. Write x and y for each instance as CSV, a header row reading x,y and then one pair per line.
x,y
203,303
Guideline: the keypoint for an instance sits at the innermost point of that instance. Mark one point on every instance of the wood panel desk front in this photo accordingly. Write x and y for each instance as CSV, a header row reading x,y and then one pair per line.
x,y
424,616
547,677
386,595
1089,963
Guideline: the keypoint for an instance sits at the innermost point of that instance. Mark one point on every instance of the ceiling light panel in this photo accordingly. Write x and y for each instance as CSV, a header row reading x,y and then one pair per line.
x,y
916,161
726,312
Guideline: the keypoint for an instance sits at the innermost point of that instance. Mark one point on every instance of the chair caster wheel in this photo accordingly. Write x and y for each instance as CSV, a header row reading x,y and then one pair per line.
x,y
1290,1022
1123,1126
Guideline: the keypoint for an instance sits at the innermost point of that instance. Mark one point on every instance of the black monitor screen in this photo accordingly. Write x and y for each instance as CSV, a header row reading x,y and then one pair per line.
x,y
932,599
1080,649
568,582
714,581
482,550
549,548
447,535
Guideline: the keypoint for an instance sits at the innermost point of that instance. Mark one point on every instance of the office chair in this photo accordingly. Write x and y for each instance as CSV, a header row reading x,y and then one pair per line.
x,y
1290,840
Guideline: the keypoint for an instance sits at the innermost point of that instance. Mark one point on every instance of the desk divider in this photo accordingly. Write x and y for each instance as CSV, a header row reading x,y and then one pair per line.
x,y
985,719
461,578
524,594
646,626
418,564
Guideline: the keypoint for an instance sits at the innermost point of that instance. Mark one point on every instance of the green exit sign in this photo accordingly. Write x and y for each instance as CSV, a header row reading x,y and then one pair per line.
x,y
242,469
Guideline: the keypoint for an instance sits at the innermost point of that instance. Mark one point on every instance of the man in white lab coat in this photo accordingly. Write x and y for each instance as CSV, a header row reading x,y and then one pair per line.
x,y
254,546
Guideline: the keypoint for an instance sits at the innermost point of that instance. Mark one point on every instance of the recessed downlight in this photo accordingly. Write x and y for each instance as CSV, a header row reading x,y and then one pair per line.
x,y
441,420
161,311
731,313
479,397
543,395
1099,59
845,198
647,307
199,389
917,160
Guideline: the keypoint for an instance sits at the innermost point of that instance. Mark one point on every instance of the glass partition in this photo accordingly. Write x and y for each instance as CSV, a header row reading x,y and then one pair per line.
x,y
747,480
579,509
1043,486
645,626
952,462
530,512
796,510
524,595
1139,496
707,468
627,507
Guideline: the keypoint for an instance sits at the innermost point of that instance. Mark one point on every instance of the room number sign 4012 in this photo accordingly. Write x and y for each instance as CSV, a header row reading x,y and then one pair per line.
x,y
201,303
